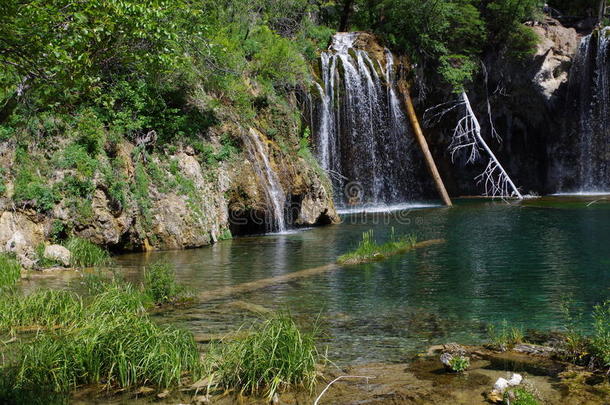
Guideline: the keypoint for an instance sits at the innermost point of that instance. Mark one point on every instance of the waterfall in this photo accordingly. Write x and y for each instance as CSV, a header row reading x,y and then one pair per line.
x,y
361,135
274,193
586,168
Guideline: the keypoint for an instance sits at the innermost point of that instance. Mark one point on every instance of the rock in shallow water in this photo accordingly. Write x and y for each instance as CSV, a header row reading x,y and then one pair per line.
x,y
58,253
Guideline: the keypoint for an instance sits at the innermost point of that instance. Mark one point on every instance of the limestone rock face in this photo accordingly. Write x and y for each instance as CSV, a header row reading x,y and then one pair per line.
x,y
58,253
169,200
554,53
20,235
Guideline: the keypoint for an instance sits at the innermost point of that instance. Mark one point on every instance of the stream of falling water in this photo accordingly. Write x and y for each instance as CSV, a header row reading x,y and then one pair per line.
x,y
273,189
362,138
588,169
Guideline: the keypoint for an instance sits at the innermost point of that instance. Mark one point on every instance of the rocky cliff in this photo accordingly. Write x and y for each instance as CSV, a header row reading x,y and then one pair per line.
x,y
146,197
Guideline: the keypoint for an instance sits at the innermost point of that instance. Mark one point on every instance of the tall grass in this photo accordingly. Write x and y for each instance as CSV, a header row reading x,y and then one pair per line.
x,y
600,342
42,309
505,335
160,283
275,356
369,250
10,271
118,351
86,254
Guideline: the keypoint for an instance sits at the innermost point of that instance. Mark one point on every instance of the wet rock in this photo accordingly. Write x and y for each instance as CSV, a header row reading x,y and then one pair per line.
x,y
58,253
446,360
535,350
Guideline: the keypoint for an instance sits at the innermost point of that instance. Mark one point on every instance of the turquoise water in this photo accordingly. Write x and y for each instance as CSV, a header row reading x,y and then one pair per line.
x,y
499,261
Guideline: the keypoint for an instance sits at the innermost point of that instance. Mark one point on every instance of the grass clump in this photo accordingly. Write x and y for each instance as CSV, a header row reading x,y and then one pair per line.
x,y
505,336
117,351
40,310
368,250
160,284
275,356
600,341
10,271
86,254
459,364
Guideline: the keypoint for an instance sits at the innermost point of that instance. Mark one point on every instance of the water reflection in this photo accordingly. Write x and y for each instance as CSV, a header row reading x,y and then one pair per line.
x,y
499,262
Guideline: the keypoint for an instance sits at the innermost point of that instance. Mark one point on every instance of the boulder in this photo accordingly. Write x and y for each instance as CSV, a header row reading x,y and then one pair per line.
x,y
24,252
58,253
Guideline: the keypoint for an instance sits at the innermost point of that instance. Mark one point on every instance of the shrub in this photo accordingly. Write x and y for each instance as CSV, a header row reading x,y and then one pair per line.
x,y
86,254
160,283
276,355
10,271
459,364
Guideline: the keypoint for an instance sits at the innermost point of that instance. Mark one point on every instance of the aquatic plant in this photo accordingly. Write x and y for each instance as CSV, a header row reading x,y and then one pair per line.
x,y
160,283
42,309
117,298
600,341
369,250
86,254
10,271
504,336
459,364
276,355
520,396
575,343
120,351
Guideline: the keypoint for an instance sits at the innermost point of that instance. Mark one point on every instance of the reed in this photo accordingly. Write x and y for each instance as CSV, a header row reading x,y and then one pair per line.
x,y
119,351
86,254
368,250
40,310
275,356
160,284
10,271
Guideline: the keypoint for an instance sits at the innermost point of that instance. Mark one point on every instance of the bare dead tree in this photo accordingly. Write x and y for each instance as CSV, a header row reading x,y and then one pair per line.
x,y
466,137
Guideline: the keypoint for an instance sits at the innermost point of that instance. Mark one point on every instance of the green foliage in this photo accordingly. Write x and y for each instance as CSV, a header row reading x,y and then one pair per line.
x,y
505,335
33,190
160,283
574,342
118,351
600,341
459,364
520,396
41,309
85,253
276,355
369,250
10,271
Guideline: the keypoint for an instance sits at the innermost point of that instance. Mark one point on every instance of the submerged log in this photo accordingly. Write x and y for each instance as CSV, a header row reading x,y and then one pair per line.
x,y
423,144
286,278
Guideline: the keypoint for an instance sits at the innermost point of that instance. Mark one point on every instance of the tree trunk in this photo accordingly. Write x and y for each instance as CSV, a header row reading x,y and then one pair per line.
x,y
601,12
345,15
421,140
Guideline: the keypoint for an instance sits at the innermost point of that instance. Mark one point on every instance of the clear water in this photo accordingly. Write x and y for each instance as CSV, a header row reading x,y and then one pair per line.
x,y
499,261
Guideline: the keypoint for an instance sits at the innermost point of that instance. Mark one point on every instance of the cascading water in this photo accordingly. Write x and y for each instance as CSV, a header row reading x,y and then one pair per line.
x,y
276,197
361,134
586,167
